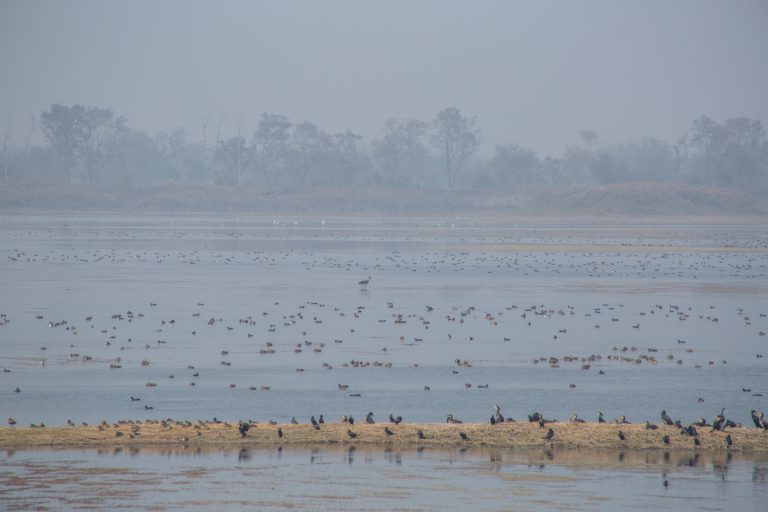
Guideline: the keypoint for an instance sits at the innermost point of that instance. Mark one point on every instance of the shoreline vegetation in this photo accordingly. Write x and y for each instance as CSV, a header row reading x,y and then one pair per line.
x,y
172,433
649,199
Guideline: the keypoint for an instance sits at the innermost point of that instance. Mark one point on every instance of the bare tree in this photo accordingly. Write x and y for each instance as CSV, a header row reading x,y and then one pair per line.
x,y
457,138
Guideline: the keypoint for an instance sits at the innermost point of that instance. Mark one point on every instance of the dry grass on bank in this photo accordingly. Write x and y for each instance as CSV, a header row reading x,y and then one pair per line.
x,y
512,435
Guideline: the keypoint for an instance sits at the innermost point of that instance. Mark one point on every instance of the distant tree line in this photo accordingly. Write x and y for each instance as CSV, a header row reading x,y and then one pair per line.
x,y
91,145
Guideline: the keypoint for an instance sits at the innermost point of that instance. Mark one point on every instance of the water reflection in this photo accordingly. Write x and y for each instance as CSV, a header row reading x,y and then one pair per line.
x,y
425,478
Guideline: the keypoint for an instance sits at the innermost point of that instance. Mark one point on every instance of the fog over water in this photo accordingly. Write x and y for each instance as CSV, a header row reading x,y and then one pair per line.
x,y
262,212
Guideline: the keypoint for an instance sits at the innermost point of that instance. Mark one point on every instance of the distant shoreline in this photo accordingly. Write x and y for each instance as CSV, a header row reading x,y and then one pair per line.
x,y
508,434
625,199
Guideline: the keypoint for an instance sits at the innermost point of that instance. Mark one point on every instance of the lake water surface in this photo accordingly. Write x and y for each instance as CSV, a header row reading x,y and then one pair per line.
x,y
263,318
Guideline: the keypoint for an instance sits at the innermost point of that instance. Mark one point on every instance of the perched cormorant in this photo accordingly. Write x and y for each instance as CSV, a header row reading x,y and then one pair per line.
x,y
696,441
351,420
293,421
463,436
493,420
313,421
719,423
600,418
756,419
451,419
550,435
622,437
388,432
243,428
394,420
351,434
321,420
650,426
665,418
420,434
665,439
369,418
728,441
279,432
497,411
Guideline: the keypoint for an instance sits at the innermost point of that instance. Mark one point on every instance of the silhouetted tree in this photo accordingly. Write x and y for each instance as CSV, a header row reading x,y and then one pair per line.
x,y
171,146
402,149
271,145
229,156
456,138
74,132
513,166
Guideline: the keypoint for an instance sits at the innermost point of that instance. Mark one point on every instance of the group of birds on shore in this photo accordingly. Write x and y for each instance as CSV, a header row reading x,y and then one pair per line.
x,y
720,423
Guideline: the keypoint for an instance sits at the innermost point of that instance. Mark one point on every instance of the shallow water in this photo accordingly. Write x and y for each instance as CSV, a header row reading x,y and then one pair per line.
x,y
211,293
336,478
207,295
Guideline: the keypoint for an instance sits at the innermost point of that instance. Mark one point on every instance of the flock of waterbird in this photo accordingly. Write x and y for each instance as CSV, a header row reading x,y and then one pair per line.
x,y
627,262
456,315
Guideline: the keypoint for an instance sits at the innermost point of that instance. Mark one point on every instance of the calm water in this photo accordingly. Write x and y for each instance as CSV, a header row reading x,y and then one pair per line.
x,y
212,310
331,478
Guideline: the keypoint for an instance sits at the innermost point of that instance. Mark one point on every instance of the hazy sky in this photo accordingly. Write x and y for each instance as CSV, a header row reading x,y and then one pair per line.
x,y
532,72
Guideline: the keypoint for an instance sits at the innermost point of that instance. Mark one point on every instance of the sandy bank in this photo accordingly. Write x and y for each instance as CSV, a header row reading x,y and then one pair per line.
x,y
523,435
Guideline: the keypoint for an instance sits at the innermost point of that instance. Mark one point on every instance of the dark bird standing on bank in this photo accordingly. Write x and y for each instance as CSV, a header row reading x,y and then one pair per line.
x,y
352,435
243,428
550,435
463,436
394,420
388,432
719,422
420,434
665,418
